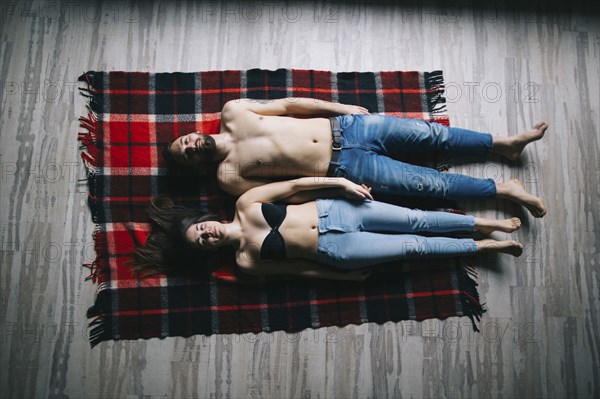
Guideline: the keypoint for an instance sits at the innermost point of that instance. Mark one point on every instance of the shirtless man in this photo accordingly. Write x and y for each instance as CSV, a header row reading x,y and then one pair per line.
x,y
265,140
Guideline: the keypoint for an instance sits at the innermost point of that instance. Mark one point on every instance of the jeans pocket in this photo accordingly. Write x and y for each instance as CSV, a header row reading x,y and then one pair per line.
x,y
346,120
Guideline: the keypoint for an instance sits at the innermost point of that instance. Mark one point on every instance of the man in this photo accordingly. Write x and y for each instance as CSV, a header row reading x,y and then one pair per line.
x,y
261,141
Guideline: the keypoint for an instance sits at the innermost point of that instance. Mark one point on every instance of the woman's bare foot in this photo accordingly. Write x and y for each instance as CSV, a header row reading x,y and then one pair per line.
x,y
511,147
515,190
488,226
511,247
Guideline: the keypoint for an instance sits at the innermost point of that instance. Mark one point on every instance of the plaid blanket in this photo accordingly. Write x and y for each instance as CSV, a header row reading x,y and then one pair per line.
x,y
131,115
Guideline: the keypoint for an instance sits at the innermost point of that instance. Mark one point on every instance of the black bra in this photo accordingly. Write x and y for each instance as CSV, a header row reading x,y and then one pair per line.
x,y
273,247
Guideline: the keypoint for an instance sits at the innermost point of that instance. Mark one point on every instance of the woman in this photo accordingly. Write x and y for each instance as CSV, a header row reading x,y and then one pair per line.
x,y
326,238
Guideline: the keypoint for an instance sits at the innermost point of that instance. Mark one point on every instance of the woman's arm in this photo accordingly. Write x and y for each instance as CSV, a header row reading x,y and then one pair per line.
x,y
304,268
279,190
237,185
307,196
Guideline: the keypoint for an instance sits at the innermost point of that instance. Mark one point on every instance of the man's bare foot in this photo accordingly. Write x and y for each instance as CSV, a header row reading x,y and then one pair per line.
x,y
488,226
512,147
510,247
515,190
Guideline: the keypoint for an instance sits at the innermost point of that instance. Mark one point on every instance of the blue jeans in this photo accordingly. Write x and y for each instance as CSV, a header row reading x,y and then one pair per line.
x,y
368,141
355,234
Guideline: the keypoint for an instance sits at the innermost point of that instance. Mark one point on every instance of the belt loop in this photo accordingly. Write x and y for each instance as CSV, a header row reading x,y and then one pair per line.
x,y
336,145
336,136
335,124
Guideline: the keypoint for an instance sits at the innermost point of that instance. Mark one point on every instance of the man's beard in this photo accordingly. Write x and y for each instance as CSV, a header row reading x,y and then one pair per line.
x,y
209,148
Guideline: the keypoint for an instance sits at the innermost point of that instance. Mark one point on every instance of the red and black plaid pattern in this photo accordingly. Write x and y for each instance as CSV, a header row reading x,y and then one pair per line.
x,y
133,115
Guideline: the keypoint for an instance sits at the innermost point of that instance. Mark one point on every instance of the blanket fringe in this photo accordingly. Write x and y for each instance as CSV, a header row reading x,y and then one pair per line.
x,y
90,154
435,105
472,307
89,92
97,266
434,88
99,313
89,139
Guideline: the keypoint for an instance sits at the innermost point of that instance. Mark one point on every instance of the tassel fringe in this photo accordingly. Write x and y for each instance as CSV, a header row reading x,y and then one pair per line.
x,y
472,307
434,87
89,138
436,106
97,266
90,91
101,322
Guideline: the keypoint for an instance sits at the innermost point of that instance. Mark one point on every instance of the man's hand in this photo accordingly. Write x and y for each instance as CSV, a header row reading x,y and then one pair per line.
x,y
347,109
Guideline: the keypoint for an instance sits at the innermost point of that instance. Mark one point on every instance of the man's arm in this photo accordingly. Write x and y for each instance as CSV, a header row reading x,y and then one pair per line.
x,y
303,268
290,106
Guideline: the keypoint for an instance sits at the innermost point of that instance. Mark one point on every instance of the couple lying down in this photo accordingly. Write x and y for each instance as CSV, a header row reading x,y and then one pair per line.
x,y
284,227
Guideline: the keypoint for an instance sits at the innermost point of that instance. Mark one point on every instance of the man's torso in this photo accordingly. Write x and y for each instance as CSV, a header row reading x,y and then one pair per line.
x,y
277,146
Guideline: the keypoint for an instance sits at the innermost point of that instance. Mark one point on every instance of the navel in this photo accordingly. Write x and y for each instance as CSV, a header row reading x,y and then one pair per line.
x,y
315,141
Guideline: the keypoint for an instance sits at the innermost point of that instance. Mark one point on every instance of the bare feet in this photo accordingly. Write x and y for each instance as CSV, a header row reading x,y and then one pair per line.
x,y
512,147
510,247
515,190
488,226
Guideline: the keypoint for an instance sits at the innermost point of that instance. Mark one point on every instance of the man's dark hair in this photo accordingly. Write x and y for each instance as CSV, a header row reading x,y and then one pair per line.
x,y
167,155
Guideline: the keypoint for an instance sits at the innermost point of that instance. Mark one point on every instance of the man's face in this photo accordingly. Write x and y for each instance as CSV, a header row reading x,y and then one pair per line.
x,y
193,148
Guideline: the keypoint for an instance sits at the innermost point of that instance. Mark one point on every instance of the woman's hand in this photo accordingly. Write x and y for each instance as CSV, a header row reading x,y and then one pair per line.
x,y
358,275
355,191
348,109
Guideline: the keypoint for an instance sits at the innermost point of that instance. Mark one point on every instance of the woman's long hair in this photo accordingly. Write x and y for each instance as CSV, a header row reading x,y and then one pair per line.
x,y
166,250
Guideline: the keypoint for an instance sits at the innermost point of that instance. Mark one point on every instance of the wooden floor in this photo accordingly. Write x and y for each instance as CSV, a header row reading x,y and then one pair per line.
x,y
505,70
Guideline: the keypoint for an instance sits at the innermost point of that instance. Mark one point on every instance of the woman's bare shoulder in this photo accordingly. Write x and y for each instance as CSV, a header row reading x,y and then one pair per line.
x,y
246,261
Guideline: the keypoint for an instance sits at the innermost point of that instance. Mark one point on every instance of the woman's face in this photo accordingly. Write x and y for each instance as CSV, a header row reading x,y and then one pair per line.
x,y
205,235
